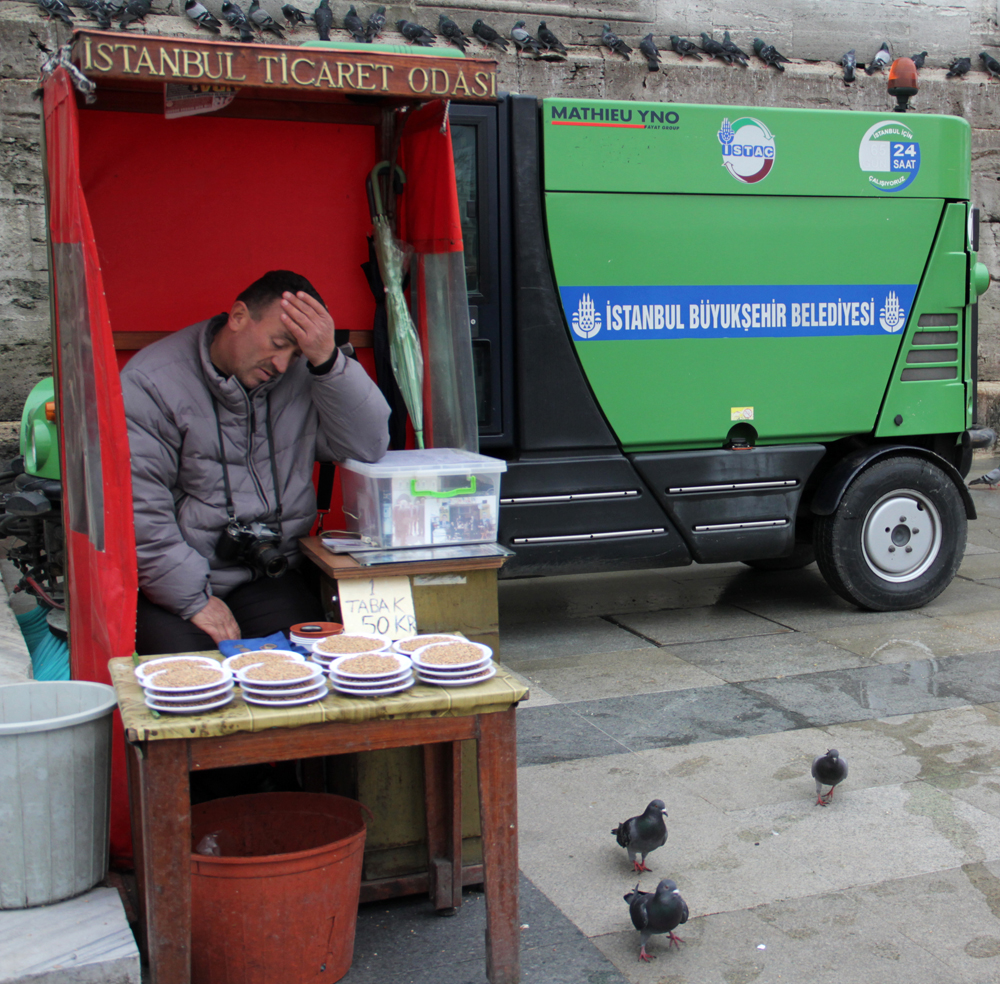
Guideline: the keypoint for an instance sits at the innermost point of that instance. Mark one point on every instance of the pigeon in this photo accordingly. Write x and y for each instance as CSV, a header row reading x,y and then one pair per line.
x,y
849,62
614,42
293,15
263,20
99,10
880,60
643,834
323,19
648,47
56,8
918,60
523,40
684,47
353,25
737,53
714,49
198,12
990,64
828,770
450,30
416,33
958,68
375,25
659,912
770,55
237,20
550,41
135,10
488,36
991,478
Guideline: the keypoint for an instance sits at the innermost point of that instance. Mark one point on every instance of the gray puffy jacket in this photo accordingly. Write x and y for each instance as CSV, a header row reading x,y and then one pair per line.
x,y
177,484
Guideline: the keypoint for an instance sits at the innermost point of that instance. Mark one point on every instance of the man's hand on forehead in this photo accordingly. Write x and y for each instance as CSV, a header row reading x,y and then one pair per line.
x,y
309,325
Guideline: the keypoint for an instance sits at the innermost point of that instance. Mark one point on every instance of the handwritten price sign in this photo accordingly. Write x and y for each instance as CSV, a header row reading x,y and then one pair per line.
x,y
383,605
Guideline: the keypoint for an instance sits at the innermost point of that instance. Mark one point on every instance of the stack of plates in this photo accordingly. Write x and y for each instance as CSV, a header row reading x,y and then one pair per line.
x,y
371,674
325,651
258,656
413,643
185,684
454,664
282,684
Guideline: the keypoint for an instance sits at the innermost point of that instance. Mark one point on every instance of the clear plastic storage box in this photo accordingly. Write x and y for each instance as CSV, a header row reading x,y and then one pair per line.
x,y
423,498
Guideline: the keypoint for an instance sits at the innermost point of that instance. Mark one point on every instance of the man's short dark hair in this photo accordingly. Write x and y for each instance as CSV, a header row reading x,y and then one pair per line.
x,y
263,292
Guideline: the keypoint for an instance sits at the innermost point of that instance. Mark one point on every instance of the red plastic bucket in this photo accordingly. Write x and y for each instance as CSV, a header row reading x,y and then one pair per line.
x,y
280,903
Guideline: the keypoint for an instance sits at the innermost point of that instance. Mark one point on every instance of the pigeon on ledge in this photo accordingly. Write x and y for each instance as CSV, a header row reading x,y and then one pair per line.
x,y
659,912
828,770
643,834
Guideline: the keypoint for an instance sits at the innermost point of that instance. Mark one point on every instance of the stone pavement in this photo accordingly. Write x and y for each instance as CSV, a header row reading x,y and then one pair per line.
x,y
713,688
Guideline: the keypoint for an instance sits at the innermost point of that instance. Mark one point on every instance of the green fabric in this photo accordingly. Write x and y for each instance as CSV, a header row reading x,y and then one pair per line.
x,y
49,655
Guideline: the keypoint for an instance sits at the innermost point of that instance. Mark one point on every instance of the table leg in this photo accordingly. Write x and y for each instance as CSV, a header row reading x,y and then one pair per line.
x,y
166,849
443,803
132,753
497,753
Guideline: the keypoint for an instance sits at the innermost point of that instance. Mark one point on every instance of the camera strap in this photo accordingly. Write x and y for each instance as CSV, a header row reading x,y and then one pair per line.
x,y
230,506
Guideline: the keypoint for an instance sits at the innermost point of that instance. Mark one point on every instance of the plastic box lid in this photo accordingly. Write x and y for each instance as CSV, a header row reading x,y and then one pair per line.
x,y
429,461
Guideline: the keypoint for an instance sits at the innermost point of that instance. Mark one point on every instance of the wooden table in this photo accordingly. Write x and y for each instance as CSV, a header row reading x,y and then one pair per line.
x,y
163,751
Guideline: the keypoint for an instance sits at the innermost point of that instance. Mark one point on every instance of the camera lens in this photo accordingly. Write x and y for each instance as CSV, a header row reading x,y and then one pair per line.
x,y
269,560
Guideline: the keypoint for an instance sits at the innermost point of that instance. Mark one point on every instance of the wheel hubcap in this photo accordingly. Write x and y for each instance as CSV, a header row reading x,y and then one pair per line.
x,y
902,535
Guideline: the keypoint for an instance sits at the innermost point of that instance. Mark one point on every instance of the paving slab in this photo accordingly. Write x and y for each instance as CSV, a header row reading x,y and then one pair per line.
x,y
914,639
558,733
979,563
551,638
85,940
962,597
707,623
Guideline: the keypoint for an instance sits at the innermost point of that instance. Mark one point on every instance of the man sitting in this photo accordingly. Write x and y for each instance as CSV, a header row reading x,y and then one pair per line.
x,y
225,420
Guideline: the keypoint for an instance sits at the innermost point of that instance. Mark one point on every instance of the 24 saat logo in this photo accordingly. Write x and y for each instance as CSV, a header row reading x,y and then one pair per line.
x,y
748,149
889,155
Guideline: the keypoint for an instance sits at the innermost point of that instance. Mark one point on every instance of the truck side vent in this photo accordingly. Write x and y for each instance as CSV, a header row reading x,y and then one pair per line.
x,y
935,338
932,355
930,372
937,321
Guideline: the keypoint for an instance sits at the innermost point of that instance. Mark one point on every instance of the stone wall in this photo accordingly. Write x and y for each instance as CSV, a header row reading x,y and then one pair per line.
x,y
815,33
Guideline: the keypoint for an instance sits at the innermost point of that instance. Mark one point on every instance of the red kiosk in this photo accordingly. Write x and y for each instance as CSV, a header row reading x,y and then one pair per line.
x,y
158,222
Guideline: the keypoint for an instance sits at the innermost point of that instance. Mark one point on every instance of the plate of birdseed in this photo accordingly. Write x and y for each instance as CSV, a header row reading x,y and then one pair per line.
x,y
286,699
413,643
348,644
370,666
257,656
181,679
143,670
380,688
452,657
190,704
279,676
466,679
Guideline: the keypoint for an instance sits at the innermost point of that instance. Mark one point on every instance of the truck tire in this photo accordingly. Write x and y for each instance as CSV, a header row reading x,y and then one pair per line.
x,y
896,539
802,556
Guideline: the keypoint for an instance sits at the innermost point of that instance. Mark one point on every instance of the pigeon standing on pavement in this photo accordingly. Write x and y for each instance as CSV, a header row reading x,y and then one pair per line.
x,y
849,63
56,8
958,68
488,36
450,30
991,478
918,59
293,15
770,55
550,42
353,25
828,770
990,64
523,41
263,20
643,834
657,912
416,33
652,54
614,42
683,47
323,19
199,13
879,60
236,19
375,25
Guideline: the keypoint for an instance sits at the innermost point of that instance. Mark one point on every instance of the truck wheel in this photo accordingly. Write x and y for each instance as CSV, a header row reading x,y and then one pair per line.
x,y
802,556
897,537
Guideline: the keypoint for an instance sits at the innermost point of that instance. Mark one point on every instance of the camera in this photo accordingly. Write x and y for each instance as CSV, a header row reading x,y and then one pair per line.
x,y
255,545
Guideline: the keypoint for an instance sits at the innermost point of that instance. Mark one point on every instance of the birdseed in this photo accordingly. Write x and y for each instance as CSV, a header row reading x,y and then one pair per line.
x,y
280,671
174,663
252,659
373,665
180,677
344,644
451,654
411,645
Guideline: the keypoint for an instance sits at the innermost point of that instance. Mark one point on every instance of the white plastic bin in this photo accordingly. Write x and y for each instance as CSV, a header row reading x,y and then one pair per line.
x,y
55,789
422,498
